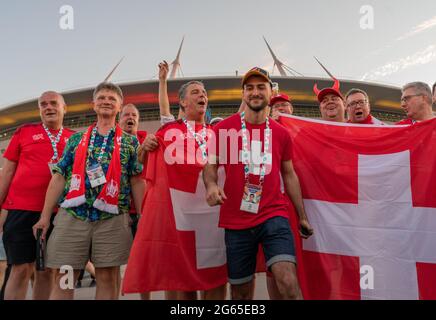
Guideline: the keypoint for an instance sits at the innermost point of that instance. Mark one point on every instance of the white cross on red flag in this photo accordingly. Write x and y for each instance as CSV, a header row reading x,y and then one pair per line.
x,y
178,245
370,194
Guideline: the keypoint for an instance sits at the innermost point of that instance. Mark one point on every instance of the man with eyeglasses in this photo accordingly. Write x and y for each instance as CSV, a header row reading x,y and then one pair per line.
x,y
358,108
280,104
416,100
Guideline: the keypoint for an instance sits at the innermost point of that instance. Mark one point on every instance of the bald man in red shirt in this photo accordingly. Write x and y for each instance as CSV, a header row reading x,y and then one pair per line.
x,y
33,149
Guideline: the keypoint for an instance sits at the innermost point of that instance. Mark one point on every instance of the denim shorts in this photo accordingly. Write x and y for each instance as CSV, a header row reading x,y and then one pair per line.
x,y
277,241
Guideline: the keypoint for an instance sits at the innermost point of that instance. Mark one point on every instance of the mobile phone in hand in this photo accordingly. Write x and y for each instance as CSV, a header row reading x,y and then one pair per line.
x,y
40,263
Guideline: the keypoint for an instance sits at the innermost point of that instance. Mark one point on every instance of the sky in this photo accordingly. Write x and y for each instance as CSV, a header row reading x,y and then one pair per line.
x,y
385,41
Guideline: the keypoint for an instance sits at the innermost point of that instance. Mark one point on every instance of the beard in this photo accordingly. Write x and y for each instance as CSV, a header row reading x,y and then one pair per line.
x,y
257,108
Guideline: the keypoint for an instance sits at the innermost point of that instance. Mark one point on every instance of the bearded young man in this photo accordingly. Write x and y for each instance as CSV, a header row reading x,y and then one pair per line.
x,y
265,221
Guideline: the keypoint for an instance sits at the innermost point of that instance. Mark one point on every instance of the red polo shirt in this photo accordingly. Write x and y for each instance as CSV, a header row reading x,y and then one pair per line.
x,y
31,149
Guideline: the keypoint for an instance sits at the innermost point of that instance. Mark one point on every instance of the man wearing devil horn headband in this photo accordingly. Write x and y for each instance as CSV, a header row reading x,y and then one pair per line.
x,y
331,102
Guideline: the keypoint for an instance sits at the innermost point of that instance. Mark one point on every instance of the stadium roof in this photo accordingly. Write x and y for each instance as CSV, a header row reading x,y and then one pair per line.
x,y
222,91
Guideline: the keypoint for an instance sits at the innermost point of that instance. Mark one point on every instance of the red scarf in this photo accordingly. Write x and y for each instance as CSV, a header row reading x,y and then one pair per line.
x,y
369,120
107,200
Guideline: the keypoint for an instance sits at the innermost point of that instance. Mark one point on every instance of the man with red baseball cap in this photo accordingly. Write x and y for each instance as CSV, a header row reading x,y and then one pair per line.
x,y
280,104
331,103
262,219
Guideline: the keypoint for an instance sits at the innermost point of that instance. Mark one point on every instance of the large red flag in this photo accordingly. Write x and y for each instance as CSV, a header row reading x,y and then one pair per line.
x,y
178,245
370,195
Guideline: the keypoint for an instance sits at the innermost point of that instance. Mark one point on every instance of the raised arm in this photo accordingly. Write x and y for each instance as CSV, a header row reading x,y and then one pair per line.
x,y
164,102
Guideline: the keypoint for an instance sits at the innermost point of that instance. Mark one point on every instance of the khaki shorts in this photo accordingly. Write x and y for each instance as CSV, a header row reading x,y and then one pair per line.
x,y
73,242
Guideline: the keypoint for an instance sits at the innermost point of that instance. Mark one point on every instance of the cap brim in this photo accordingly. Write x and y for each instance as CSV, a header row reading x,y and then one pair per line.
x,y
277,100
327,91
254,73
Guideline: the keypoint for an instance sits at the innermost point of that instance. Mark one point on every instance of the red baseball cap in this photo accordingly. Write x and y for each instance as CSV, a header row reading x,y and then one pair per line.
x,y
279,97
333,90
327,91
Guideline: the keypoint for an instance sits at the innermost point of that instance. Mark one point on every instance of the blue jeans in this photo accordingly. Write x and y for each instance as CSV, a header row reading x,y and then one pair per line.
x,y
277,241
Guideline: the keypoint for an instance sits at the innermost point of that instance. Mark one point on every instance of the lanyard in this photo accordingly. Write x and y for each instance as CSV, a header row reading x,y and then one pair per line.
x,y
103,146
199,138
54,140
245,154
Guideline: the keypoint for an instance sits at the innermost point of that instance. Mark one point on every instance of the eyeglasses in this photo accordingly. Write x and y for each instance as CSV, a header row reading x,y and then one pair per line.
x,y
360,103
406,99
281,104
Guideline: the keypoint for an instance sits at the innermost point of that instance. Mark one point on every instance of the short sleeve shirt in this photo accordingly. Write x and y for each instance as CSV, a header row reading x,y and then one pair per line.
x,y
273,202
31,149
166,119
129,167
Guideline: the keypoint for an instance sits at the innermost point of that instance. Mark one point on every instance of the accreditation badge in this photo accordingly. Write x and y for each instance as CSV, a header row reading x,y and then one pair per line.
x,y
251,198
96,175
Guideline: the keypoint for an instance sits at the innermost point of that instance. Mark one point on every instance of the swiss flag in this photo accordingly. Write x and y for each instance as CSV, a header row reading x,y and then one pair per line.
x,y
178,245
369,192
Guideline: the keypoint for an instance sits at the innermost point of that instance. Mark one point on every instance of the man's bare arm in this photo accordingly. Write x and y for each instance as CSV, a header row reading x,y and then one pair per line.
x,y
164,102
54,192
7,174
138,191
214,194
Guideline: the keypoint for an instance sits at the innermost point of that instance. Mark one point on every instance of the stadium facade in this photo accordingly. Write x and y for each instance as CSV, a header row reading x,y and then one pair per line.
x,y
224,99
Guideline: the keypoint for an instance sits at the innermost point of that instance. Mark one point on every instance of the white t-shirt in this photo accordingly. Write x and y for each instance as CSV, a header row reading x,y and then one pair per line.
x,y
166,119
